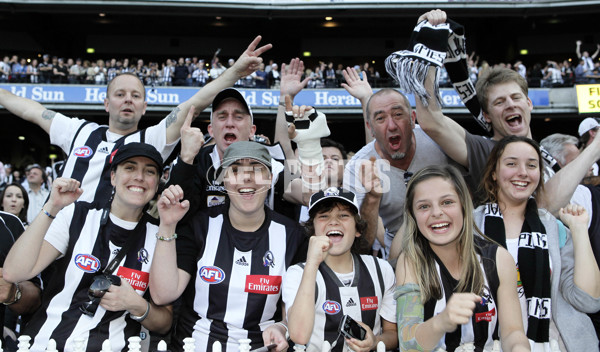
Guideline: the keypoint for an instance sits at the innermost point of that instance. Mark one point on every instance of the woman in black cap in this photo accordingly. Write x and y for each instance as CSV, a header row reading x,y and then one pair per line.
x,y
103,255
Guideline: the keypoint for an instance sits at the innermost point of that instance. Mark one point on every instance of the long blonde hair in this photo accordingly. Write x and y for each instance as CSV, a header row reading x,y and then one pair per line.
x,y
418,252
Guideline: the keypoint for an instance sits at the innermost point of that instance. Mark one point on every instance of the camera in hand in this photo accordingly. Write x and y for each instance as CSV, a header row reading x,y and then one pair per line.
x,y
268,348
260,139
96,291
351,329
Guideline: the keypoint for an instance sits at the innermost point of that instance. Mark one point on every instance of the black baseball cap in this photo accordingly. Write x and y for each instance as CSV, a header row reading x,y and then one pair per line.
x,y
333,193
134,149
230,93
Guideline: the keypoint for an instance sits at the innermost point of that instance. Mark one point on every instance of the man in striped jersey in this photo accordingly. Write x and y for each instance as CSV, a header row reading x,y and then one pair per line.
x,y
233,256
88,145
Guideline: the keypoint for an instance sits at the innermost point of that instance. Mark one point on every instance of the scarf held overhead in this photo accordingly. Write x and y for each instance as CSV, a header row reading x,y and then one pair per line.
x,y
442,44
434,46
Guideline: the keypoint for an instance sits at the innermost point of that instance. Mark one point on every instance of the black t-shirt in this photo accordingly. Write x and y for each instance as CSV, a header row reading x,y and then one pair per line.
x,y
10,229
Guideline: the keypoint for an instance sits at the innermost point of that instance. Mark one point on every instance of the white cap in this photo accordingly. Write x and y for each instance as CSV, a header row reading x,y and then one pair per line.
x,y
586,125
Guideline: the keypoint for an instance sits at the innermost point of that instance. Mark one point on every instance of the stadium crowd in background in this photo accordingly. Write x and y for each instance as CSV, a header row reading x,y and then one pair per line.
x,y
196,72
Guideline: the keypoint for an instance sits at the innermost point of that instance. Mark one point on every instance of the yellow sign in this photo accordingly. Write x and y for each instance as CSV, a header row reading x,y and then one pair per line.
x,y
588,98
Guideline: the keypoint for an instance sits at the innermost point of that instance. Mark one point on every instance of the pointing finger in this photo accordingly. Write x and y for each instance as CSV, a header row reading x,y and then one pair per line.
x,y
190,116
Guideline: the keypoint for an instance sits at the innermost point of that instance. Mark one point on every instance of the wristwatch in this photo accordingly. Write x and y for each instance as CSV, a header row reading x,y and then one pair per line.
x,y
17,295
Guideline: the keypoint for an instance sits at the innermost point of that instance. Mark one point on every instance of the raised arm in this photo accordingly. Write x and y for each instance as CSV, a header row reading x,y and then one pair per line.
x,y
247,63
593,56
310,153
447,133
167,281
192,138
396,246
361,90
290,85
578,49
476,61
27,109
184,171
31,243
586,274
301,314
560,188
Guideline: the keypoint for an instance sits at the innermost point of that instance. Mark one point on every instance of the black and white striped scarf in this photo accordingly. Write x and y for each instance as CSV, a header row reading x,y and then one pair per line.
x,y
534,265
442,44
429,45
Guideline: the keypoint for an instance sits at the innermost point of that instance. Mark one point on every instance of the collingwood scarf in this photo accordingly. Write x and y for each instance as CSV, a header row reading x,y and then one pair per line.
x,y
429,45
434,46
533,262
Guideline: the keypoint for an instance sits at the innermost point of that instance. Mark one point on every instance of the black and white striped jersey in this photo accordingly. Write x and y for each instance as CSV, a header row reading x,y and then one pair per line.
x,y
89,146
85,254
482,330
236,280
368,298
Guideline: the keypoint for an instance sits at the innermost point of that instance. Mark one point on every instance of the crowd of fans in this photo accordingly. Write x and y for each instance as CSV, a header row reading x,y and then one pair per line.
x,y
197,72
227,246
190,72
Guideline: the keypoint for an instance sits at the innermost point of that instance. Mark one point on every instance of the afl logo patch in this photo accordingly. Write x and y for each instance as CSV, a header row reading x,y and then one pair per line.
x,y
212,274
82,152
87,263
331,307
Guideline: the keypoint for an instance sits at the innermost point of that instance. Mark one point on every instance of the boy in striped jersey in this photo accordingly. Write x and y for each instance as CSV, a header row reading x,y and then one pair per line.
x,y
335,282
